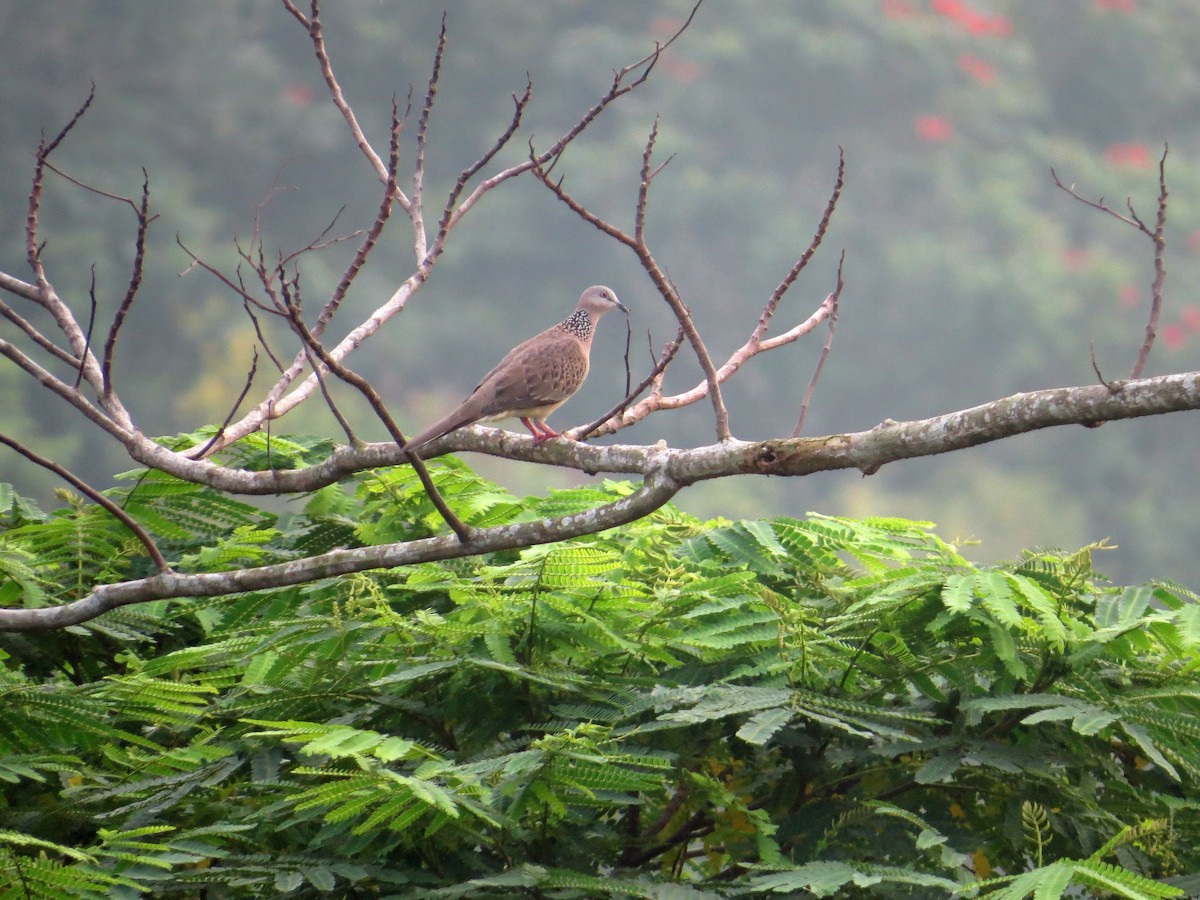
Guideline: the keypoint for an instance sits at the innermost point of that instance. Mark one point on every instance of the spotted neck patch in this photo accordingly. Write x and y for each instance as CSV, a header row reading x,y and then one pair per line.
x,y
579,324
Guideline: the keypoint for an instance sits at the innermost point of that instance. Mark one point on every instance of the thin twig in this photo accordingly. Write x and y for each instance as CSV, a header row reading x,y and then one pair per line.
x,y
32,248
135,281
1112,386
37,337
417,211
638,244
1099,204
639,217
364,387
238,402
1160,270
468,173
320,242
628,343
87,339
381,218
668,354
83,487
92,189
832,302
1157,236
312,24
777,295
291,299
262,338
239,289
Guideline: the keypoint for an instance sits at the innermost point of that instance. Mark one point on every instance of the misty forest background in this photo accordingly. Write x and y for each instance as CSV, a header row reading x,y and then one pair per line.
x,y
969,276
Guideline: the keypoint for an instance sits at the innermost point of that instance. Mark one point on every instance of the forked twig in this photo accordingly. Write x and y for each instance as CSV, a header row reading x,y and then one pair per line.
x,y
95,496
832,302
238,402
417,212
464,177
262,338
87,335
32,248
135,280
637,243
772,304
291,310
312,24
654,377
1157,236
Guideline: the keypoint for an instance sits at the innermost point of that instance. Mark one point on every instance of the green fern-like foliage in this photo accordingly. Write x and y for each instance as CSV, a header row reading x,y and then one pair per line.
x,y
794,707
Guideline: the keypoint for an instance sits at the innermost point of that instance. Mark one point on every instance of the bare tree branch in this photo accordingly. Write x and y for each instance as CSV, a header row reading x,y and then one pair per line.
x,y
998,419
37,337
655,376
665,473
96,497
312,345
373,233
619,87
1157,236
755,344
66,391
312,24
262,340
135,281
653,494
285,395
464,177
32,248
327,312
44,295
291,300
417,212
242,396
87,336
832,302
822,226
637,243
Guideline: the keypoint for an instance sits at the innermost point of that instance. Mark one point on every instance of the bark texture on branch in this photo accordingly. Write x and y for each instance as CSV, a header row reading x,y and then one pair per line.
x,y
665,472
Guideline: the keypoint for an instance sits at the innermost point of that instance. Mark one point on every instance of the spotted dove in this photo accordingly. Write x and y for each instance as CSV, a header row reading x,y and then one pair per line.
x,y
536,377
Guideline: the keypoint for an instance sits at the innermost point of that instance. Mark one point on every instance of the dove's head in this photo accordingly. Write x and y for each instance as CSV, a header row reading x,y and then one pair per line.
x,y
598,299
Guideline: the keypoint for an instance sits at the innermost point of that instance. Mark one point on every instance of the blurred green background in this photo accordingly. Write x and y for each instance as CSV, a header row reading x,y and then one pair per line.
x,y
969,276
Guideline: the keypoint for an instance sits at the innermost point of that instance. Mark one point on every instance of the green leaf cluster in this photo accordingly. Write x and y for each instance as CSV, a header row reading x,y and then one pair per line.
x,y
809,707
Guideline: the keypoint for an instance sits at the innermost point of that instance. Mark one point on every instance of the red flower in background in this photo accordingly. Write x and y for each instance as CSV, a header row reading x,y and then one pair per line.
x,y
683,71
1129,294
1128,155
934,129
979,69
897,9
1074,259
297,95
971,20
1125,6
951,9
1173,336
1191,317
